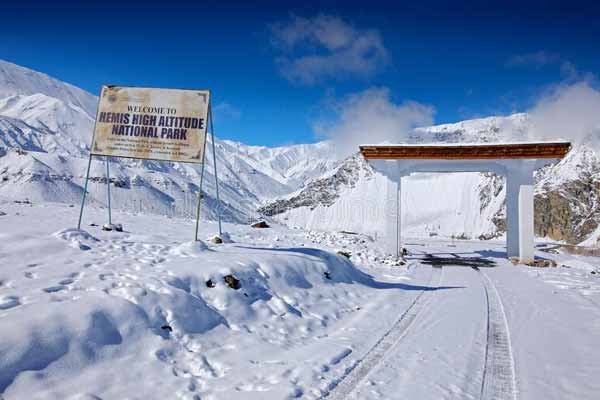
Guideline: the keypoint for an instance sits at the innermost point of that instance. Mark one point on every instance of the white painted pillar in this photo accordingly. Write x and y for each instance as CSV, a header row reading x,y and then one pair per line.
x,y
520,236
399,218
512,214
526,228
390,241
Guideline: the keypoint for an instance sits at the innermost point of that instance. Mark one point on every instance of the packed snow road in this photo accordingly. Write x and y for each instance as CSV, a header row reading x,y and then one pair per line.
x,y
146,314
461,334
459,343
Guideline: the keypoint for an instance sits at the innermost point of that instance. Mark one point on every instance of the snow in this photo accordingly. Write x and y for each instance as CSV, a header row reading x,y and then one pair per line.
x,y
148,313
105,305
91,321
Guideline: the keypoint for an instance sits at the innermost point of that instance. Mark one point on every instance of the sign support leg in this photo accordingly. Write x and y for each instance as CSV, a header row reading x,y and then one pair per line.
x,y
200,194
212,134
108,191
87,177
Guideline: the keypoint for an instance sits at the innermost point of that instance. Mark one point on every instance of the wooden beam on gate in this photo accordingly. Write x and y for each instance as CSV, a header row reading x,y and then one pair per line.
x,y
470,151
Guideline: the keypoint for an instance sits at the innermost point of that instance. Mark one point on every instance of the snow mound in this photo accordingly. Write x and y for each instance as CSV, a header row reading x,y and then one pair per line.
x,y
74,234
66,336
190,249
77,238
168,304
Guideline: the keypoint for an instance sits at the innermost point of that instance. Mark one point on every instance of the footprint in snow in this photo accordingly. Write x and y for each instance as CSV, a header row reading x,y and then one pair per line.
x,y
103,277
54,289
65,282
9,302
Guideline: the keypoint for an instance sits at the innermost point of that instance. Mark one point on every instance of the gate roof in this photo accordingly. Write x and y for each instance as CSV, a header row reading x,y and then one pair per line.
x,y
466,151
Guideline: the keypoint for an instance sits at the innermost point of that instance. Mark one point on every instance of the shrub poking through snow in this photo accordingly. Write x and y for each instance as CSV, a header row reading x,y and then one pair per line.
x,y
344,253
232,282
260,224
542,263
112,227
216,239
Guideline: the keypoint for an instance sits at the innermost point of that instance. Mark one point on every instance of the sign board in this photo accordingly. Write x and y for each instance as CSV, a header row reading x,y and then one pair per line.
x,y
151,123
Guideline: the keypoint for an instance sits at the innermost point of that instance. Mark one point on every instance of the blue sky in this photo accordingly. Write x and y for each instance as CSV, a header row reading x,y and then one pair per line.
x,y
278,69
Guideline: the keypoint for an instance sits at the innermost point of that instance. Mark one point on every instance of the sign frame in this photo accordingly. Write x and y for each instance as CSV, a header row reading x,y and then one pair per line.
x,y
209,123
157,88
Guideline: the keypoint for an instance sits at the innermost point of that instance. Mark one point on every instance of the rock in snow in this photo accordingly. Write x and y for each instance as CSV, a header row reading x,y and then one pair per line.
x,y
232,282
216,239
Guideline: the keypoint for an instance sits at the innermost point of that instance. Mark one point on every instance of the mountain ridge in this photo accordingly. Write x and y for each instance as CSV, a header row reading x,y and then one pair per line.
x,y
45,129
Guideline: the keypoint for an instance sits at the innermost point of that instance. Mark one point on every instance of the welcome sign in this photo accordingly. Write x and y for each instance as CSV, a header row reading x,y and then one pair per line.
x,y
151,123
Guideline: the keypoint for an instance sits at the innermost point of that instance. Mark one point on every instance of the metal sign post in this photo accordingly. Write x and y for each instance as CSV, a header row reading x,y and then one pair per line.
x,y
85,189
87,177
108,191
200,193
212,135
153,124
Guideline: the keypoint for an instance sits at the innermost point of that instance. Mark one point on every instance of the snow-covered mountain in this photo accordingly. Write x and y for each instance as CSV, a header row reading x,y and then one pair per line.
x,y
46,126
42,123
45,131
454,205
17,80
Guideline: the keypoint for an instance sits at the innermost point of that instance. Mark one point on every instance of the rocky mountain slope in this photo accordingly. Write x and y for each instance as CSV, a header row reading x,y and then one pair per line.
x,y
472,205
46,126
45,130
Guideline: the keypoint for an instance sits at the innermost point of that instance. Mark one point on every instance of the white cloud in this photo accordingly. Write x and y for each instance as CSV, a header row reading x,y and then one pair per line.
x,y
371,117
314,49
537,59
226,111
567,111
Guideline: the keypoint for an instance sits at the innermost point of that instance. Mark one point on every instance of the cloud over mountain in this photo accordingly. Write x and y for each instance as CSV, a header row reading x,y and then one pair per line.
x,y
371,116
313,49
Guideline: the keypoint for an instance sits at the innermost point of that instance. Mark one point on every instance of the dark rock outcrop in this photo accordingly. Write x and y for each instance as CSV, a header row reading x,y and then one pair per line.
x,y
324,191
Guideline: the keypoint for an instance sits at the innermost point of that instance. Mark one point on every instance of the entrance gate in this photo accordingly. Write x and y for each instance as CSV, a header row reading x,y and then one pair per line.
x,y
517,162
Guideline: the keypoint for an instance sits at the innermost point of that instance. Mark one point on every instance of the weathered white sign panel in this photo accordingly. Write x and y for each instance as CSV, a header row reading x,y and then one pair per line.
x,y
151,123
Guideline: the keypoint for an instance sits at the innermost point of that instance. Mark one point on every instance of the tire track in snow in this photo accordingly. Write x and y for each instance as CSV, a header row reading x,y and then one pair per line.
x,y
499,368
343,387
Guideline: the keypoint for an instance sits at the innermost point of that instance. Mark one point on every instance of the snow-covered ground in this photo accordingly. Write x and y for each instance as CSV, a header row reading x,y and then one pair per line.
x,y
130,315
